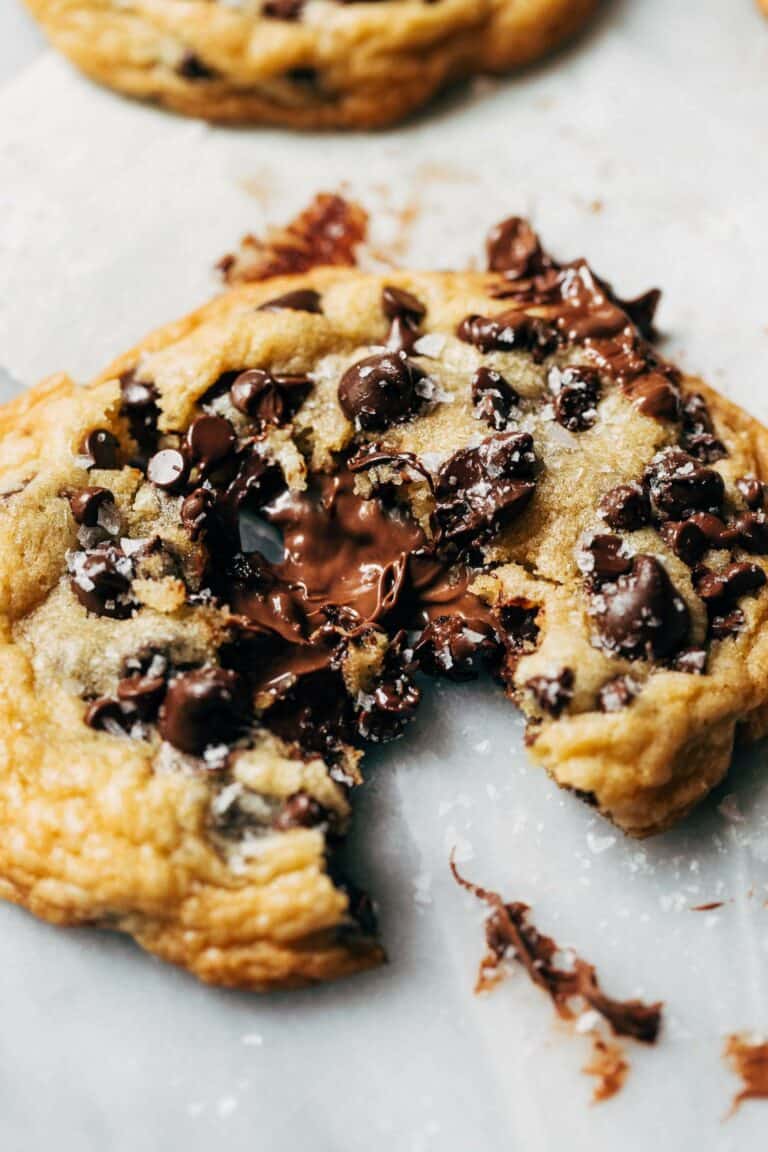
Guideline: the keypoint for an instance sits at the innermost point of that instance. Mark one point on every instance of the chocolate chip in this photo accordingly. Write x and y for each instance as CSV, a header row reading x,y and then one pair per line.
x,y
752,490
397,302
101,580
617,694
752,530
168,469
406,313
300,300
106,714
510,331
656,396
553,694
686,540
493,397
101,449
679,485
86,503
723,625
196,510
210,440
692,661
299,810
518,624
202,709
476,485
726,586
604,558
380,390
139,406
455,647
514,248
388,708
714,530
698,431
625,506
268,399
143,693
641,614
283,9
191,67
577,391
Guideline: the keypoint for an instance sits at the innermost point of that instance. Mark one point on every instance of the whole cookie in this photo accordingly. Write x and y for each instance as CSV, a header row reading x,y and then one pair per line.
x,y
302,63
227,564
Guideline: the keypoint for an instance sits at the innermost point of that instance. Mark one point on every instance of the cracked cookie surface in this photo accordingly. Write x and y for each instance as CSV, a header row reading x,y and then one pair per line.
x,y
313,64
227,564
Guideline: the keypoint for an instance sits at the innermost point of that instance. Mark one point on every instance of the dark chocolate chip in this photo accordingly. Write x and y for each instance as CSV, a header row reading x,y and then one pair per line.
x,y
604,558
577,392
266,398
476,485
726,586
714,530
510,331
168,469
698,431
396,302
300,300
406,313
380,390
493,397
196,510
625,506
300,810
140,407
144,693
723,625
101,580
553,694
642,311
191,67
617,694
641,614
101,449
513,247
679,485
655,395
210,440
686,540
283,9
456,647
752,530
202,709
692,661
388,708
752,490
86,503
106,714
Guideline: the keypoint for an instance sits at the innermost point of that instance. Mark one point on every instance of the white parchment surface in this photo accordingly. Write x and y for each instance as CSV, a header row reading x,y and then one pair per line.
x,y
645,147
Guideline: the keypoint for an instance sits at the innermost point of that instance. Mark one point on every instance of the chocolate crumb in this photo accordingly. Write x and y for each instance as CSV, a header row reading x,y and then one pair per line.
x,y
328,231
748,1059
609,1065
511,935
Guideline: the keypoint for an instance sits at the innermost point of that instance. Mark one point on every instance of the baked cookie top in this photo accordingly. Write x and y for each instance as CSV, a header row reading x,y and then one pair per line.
x,y
302,63
226,564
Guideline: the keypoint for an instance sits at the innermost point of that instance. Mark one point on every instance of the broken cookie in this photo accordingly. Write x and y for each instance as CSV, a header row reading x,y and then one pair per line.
x,y
227,564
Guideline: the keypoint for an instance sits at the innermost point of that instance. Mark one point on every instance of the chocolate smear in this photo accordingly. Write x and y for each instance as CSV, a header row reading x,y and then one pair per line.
x,y
328,231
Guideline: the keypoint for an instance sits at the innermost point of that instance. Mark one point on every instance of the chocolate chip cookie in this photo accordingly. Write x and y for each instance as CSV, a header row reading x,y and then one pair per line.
x,y
229,563
302,63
